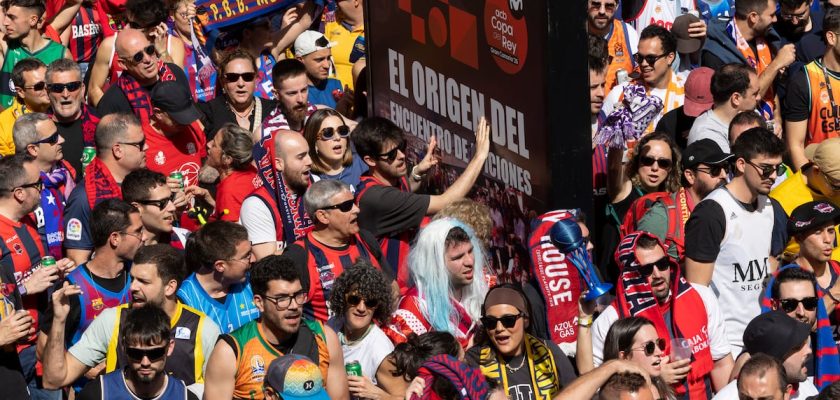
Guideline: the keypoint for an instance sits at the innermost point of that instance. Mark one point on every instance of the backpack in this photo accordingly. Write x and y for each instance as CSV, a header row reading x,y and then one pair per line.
x,y
640,207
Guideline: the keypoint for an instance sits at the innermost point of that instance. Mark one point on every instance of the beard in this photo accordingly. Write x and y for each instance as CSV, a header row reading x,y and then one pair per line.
x,y
295,115
296,182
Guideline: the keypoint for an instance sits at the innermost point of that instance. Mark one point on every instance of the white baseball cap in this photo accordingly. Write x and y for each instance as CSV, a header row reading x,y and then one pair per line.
x,y
311,41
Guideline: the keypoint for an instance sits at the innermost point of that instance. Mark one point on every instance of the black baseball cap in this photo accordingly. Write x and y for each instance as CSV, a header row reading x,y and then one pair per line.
x,y
776,334
704,151
812,215
175,100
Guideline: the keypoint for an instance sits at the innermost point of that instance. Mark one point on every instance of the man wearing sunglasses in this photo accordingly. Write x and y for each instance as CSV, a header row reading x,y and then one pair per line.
x,y
651,286
148,191
333,246
75,119
147,342
313,50
817,180
30,96
238,364
622,38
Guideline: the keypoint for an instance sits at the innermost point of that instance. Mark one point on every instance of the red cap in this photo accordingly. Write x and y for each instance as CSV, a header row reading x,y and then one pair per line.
x,y
698,92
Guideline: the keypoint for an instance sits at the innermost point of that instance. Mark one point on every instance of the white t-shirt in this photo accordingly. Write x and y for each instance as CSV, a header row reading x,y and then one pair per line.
x,y
369,352
806,389
258,220
718,345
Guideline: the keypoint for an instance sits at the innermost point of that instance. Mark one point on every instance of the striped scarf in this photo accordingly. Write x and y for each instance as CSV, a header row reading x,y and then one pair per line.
x,y
139,97
468,382
544,378
827,363
99,183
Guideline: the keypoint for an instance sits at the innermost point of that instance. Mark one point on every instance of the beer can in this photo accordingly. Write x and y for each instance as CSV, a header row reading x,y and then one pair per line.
x,y
179,176
48,261
88,154
353,368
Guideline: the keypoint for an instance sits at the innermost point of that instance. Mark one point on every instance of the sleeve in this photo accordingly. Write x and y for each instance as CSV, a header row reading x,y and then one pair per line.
x,y
91,391
710,60
704,232
796,105
780,237
77,217
718,344
257,219
392,210
209,337
92,348
563,367
599,330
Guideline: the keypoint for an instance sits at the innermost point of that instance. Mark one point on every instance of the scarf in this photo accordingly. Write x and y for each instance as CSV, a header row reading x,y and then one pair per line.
x,y
630,119
544,379
827,363
53,209
139,97
89,121
634,297
99,183
758,62
296,222
469,383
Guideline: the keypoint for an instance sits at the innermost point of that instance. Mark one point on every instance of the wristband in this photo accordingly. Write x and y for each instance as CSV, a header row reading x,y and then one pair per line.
x,y
415,176
584,322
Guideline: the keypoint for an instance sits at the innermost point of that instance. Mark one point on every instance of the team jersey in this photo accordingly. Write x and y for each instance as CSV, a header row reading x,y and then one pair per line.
x,y
50,52
237,309
822,120
232,191
21,250
621,51
660,12
265,87
113,386
85,34
181,152
94,298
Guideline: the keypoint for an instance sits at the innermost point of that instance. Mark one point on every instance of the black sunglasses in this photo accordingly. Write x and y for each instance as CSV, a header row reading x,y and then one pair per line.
x,y
51,139
328,133
140,145
508,321
353,300
766,171
714,170
650,59
392,155
134,25
139,56
650,347
37,87
231,77
789,305
161,204
154,354
661,264
59,87
344,206
664,163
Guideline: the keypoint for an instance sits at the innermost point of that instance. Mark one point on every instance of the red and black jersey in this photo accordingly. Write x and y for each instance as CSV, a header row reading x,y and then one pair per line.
x,y
85,35
21,249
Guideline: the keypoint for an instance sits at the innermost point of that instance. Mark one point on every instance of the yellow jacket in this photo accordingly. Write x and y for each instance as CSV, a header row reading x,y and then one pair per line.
x,y
7,122
792,193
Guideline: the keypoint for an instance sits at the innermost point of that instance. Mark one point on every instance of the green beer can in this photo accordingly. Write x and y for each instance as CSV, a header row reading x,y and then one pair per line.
x,y
88,154
179,176
353,368
48,261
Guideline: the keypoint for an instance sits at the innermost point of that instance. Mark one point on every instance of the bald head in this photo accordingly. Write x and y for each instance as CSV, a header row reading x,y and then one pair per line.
x,y
293,159
129,44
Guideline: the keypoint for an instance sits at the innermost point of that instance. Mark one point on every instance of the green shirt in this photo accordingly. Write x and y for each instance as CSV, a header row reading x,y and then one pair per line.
x,y
49,53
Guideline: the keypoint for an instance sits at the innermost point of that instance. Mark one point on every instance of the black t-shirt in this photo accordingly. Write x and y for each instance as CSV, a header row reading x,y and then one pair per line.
x,y
520,385
93,391
797,101
677,125
114,100
386,210
115,284
11,376
74,143
217,113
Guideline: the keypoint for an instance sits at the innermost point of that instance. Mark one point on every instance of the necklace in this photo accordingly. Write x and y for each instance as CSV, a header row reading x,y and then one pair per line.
x,y
244,114
521,364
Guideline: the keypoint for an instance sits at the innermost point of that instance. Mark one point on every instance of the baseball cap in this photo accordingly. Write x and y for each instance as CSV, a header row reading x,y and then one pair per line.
x,y
685,43
296,377
174,99
704,151
825,155
775,333
310,42
698,92
812,214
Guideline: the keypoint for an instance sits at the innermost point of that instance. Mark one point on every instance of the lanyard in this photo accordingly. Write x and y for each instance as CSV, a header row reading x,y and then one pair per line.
x,y
830,95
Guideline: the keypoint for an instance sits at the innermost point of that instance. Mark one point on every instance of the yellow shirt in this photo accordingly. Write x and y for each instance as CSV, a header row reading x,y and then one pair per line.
x,y
792,193
7,122
345,40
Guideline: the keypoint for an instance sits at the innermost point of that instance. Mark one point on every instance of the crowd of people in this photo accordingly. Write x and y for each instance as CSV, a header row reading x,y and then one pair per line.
x,y
190,212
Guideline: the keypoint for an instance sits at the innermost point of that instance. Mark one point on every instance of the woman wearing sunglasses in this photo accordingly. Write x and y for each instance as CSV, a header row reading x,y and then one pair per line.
x,y
360,300
508,353
235,101
329,147
635,339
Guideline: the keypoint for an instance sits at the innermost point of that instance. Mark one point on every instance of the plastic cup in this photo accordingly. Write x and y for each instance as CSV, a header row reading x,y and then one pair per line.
x,y
680,349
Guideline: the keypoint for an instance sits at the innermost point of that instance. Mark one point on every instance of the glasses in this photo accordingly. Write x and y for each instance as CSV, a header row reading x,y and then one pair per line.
x,y
662,264
344,206
138,235
139,145
161,204
139,56
59,87
51,139
835,185
664,163
650,58
766,171
789,16
328,133
232,77
153,354
37,87
283,302
714,170
596,5
650,347
508,321
790,305
246,259
390,156
353,300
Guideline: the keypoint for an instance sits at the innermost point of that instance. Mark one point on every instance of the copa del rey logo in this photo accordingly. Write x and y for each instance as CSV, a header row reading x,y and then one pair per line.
x,y
824,208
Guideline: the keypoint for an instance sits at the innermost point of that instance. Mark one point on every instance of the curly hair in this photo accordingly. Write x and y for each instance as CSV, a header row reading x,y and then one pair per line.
x,y
368,282
472,213
672,183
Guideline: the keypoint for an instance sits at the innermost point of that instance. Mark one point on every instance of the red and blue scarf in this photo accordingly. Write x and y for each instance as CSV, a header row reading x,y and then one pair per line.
x,y
469,383
138,97
52,206
99,183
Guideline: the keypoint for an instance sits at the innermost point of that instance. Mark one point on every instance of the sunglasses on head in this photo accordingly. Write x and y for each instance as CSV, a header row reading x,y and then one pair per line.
x,y
59,87
789,305
344,206
392,155
766,171
508,321
234,77
661,264
138,57
51,139
154,354
328,133
353,300
650,347
664,163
